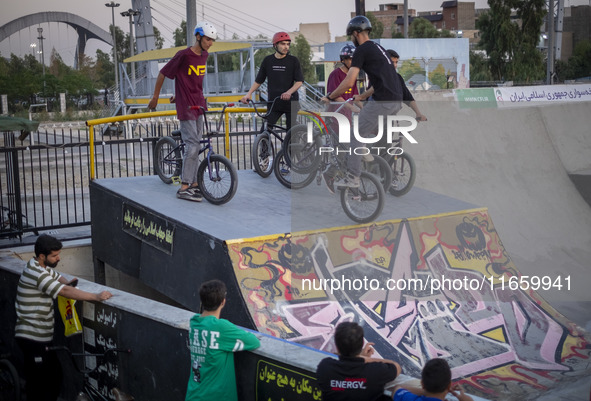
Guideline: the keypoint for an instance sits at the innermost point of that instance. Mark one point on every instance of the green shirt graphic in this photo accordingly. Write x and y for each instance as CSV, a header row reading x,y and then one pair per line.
x,y
213,342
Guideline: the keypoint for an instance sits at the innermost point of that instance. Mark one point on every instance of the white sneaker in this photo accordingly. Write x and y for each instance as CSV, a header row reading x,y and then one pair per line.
x,y
349,181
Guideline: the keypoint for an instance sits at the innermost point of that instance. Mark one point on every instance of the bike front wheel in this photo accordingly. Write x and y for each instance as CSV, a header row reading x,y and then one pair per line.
x,y
168,161
364,204
263,154
403,174
287,176
302,156
9,382
217,179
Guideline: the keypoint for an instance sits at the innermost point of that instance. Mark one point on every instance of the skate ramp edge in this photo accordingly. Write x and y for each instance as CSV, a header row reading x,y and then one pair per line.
x,y
434,286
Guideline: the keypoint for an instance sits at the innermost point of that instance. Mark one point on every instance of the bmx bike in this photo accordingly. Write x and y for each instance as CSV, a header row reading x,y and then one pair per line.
x,y
89,391
363,204
217,176
263,151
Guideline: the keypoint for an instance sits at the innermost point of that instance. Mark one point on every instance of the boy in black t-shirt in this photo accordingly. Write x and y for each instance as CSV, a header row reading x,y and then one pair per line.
x,y
387,91
285,77
355,375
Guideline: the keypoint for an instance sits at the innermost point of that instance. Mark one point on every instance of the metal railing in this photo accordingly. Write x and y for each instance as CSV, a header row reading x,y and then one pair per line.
x,y
44,179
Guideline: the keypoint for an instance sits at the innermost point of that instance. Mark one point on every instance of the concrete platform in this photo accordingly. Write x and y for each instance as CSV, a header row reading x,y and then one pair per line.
x,y
262,206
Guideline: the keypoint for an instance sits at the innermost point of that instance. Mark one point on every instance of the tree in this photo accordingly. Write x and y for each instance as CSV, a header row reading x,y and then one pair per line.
x,y
444,33
301,49
260,54
104,69
377,28
180,35
511,46
20,78
438,76
578,65
57,66
410,68
422,28
122,50
479,68
158,39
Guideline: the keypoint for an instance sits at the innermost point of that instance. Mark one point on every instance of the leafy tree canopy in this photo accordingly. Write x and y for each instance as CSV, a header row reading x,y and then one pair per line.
x,y
511,44
377,28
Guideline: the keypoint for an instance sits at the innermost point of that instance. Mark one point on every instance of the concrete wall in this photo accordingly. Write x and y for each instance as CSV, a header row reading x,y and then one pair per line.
x,y
158,366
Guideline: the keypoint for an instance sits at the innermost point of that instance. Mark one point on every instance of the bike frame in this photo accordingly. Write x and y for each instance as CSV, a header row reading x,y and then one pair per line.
x,y
266,127
205,141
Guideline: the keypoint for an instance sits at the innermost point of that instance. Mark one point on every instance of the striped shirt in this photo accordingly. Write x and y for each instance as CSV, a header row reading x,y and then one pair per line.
x,y
37,288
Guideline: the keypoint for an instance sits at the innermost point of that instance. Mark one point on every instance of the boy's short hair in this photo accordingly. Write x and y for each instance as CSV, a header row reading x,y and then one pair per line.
x,y
46,244
436,375
348,339
212,294
392,53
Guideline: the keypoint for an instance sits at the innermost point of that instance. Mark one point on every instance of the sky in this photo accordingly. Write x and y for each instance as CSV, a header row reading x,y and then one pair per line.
x,y
229,16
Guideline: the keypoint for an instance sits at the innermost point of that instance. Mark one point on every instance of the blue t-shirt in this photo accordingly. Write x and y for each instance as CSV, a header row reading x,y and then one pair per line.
x,y
405,395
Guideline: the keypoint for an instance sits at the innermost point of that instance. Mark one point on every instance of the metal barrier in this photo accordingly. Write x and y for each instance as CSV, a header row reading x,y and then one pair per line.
x,y
44,179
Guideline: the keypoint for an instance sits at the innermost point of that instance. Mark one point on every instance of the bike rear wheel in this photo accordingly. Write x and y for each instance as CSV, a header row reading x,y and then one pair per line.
x,y
287,177
302,156
218,179
381,169
9,382
364,204
263,154
168,161
403,174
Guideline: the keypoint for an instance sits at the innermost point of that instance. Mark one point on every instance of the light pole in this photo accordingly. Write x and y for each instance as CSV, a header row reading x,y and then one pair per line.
x,y
131,13
42,56
112,4
33,47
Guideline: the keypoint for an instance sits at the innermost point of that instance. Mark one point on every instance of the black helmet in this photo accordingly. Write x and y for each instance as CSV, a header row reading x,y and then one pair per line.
x,y
347,51
358,23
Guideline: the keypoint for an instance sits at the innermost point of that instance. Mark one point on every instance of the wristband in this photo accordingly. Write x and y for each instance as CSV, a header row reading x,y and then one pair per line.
x,y
328,96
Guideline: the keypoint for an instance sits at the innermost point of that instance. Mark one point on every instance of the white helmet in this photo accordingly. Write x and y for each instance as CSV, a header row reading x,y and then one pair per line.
x,y
205,28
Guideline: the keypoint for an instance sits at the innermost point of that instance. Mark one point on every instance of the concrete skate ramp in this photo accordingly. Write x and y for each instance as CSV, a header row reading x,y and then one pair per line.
x,y
516,161
451,294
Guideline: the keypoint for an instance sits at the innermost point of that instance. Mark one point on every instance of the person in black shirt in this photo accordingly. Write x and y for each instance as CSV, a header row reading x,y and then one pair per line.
x,y
285,77
355,375
387,95
407,97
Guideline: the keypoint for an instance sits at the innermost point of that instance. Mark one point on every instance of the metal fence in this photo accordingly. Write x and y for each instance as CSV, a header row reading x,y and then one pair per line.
x,y
44,178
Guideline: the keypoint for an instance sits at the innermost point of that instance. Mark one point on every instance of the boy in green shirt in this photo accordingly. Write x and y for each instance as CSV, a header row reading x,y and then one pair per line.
x,y
212,342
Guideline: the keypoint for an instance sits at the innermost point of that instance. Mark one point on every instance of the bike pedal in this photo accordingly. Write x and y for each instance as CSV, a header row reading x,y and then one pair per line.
x,y
176,180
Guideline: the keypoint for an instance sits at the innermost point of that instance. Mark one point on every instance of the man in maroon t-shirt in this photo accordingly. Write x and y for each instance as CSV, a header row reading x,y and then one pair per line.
x,y
334,80
188,68
337,76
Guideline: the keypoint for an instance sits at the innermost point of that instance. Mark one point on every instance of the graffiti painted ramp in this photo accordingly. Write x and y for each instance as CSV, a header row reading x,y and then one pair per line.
x,y
435,286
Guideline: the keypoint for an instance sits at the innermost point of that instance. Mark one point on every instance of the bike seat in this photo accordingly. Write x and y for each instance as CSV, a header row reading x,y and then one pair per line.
x,y
176,133
121,396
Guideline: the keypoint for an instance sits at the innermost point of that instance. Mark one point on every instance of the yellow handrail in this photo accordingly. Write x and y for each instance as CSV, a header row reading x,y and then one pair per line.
x,y
166,113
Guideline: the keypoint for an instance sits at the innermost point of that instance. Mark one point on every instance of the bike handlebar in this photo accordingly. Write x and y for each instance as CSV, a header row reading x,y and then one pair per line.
x,y
342,104
203,108
268,111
